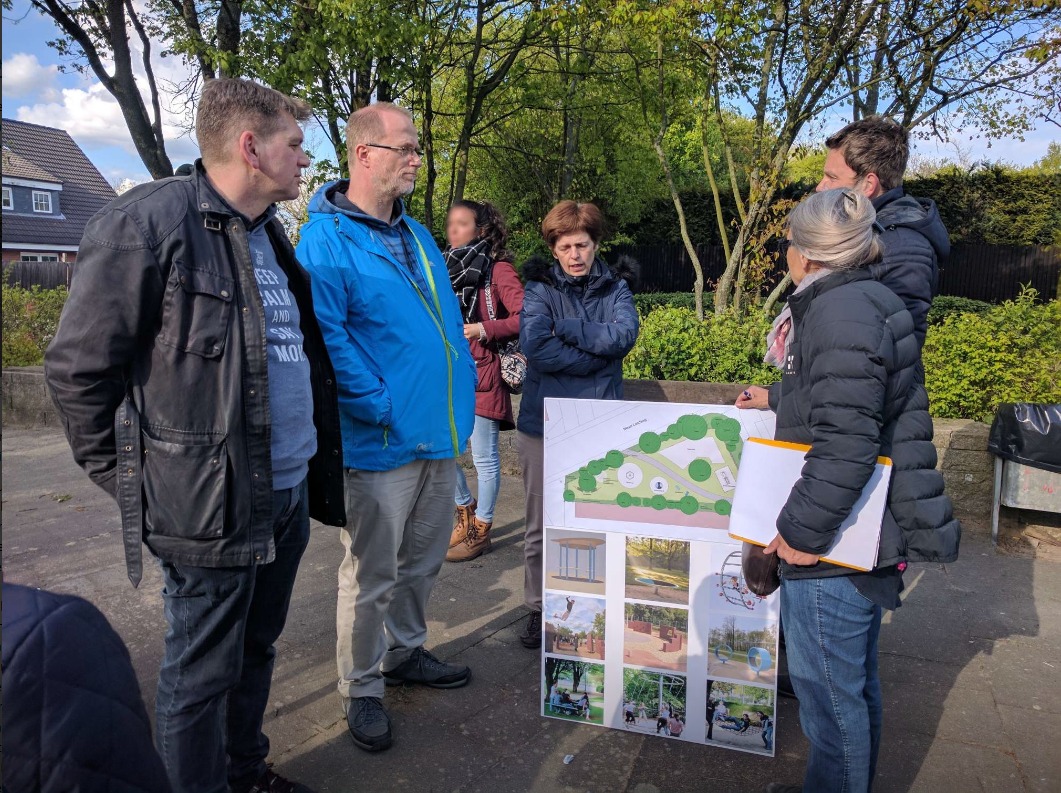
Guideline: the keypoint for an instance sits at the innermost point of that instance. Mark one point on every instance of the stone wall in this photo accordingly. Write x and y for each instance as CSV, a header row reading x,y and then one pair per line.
x,y
967,466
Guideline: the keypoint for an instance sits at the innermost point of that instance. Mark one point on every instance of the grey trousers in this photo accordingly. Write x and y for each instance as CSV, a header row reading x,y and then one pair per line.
x,y
531,451
399,528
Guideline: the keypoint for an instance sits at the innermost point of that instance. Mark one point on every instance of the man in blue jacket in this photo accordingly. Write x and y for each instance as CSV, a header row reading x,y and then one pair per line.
x,y
870,155
406,382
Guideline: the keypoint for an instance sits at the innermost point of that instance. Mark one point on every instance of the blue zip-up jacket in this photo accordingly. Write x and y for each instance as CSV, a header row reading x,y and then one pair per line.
x,y
406,376
575,336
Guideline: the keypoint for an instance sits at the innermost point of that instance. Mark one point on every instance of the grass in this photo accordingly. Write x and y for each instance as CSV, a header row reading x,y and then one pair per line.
x,y
634,569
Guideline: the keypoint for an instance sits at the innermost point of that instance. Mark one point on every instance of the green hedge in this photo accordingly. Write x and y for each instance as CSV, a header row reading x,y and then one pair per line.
x,y
30,317
1009,353
675,345
945,305
650,301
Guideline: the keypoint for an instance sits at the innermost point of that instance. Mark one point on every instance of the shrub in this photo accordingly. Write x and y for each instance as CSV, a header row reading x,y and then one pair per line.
x,y
675,345
30,318
650,301
945,305
1008,353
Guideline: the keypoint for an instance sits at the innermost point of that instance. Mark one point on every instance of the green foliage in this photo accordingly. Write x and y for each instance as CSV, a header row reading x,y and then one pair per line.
x,y
30,318
996,205
650,301
675,345
1010,353
945,305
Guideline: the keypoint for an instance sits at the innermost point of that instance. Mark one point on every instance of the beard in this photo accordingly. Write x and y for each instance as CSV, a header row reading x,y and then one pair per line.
x,y
395,186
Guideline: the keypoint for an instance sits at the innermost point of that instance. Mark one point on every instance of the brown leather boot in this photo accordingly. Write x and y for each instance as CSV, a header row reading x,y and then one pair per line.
x,y
475,544
462,519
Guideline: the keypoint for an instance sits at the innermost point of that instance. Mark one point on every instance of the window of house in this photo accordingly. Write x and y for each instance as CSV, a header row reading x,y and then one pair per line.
x,y
8,201
39,257
42,201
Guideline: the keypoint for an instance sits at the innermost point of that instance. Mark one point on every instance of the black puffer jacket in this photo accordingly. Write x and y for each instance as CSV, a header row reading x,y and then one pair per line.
x,y
852,393
73,717
915,244
575,335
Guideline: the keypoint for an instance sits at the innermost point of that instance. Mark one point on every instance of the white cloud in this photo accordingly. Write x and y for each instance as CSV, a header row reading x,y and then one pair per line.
x,y
25,76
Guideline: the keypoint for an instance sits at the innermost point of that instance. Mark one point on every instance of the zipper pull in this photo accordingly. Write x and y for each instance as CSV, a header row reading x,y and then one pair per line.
x,y
386,432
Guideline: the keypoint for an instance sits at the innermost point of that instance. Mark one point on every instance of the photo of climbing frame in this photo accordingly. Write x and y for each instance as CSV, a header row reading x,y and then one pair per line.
x,y
648,624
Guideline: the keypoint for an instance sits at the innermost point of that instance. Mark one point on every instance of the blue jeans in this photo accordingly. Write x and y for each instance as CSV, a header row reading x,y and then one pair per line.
x,y
218,664
487,459
831,633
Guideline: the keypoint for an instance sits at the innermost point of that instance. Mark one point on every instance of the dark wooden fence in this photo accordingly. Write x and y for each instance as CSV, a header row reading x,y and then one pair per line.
x,y
992,273
46,274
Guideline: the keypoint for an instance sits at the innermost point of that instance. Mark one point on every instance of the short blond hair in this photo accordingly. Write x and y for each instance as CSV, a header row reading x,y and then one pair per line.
x,y
365,124
230,106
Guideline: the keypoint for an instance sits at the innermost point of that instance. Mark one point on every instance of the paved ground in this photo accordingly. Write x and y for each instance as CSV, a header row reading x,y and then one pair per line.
x,y
971,666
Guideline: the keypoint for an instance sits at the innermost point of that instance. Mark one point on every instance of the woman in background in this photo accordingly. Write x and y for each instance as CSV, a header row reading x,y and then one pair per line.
x,y
491,298
578,323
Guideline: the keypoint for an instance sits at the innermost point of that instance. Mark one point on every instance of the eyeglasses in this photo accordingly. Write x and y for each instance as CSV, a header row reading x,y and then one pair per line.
x,y
405,151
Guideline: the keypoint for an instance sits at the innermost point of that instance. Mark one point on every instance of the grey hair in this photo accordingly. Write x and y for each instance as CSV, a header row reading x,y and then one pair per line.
x,y
834,228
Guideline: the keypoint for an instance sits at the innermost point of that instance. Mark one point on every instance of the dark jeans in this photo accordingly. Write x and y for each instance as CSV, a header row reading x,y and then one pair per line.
x,y
214,683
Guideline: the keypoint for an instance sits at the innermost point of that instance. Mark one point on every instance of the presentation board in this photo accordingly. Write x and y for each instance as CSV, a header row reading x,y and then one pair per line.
x,y
648,625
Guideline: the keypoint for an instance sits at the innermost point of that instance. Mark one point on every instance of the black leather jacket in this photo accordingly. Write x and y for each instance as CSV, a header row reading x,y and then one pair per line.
x,y
160,376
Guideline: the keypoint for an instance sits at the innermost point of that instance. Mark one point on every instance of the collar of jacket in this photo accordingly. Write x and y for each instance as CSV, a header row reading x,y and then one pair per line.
x,y
799,303
215,209
599,275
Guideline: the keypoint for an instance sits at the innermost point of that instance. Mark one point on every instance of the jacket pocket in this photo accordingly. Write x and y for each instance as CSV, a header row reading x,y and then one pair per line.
x,y
196,311
184,488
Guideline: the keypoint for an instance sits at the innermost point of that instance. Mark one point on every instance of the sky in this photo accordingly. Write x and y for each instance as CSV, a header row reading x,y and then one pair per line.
x,y
35,89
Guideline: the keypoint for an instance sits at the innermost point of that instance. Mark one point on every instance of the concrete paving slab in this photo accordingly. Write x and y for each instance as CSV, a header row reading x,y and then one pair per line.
x,y
969,665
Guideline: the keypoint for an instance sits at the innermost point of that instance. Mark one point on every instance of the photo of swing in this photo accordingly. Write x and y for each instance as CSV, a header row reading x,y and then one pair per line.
x,y
740,716
657,569
742,648
653,703
574,690
656,637
575,561
574,625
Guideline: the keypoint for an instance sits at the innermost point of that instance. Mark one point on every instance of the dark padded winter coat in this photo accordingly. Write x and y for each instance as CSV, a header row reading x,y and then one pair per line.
x,y
853,393
73,717
915,244
574,336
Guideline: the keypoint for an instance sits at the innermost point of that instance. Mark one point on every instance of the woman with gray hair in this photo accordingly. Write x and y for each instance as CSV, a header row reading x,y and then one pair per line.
x,y
849,389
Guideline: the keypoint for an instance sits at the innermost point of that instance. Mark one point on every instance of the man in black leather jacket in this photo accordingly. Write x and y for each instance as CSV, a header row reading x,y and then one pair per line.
x,y
870,156
193,384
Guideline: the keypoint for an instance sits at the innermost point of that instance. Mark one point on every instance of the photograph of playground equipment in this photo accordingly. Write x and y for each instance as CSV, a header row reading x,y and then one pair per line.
x,y
653,703
657,569
740,716
574,690
742,648
575,560
729,590
656,637
574,625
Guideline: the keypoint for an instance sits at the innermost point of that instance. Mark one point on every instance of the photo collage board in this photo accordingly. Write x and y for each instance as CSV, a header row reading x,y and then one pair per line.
x,y
648,625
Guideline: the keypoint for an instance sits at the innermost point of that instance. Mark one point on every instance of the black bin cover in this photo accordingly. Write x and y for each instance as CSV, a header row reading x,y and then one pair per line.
x,y
1028,434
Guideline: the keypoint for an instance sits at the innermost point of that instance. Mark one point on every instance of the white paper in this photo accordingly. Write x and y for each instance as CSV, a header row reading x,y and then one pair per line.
x,y
768,473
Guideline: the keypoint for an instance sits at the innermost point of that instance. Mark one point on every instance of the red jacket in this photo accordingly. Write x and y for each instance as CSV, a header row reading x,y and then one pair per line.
x,y
492,397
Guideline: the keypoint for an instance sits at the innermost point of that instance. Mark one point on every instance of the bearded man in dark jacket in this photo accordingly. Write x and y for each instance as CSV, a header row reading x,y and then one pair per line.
x,y
870,156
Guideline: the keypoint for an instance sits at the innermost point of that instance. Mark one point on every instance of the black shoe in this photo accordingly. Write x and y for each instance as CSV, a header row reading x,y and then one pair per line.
x,y
784,687
777,787
368,723
532,633
427,670
270,782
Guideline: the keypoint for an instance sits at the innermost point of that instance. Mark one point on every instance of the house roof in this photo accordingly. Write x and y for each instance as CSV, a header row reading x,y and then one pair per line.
x,y
20,168
52,152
